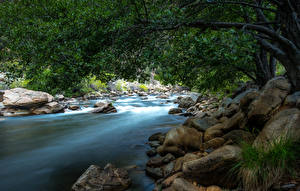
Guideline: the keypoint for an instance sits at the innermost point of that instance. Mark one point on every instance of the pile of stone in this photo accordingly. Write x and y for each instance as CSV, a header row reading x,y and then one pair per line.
x,y
189,106
109,178
199,155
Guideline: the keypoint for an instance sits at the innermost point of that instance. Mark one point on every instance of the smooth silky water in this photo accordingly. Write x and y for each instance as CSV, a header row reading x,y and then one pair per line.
x,y
49,152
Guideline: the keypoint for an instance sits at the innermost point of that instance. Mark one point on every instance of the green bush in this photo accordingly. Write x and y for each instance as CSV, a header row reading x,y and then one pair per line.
x,y
121,85
143,87
259,168
19,83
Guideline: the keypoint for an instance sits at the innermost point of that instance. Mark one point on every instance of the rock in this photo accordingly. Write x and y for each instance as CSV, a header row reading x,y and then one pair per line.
x,y
156,173
200,114
162,97
1,95
151,152
181,138
192,109
159,161
107,179
154,144
73,107
100,104
20,97
213,143
181,184
200,124
168,169
186,102
178,99
106,108
284,124
214,131
157,137
293,100
247,97
239,136
213,188
15,112
231,110
48,108
271,97
226,102
168,182
175,111
213,169
234,122
59,97
187,157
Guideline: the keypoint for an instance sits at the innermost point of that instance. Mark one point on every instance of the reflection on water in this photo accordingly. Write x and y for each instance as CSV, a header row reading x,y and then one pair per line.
x,y
49,152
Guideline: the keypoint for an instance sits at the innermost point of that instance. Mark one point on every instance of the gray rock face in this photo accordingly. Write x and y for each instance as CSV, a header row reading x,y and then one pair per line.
x,y
213,169
107,179
293,100
20,97
271,97
284,124
186,102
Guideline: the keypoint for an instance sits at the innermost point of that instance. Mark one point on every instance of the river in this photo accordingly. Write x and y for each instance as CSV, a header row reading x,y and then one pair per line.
x,y
49,152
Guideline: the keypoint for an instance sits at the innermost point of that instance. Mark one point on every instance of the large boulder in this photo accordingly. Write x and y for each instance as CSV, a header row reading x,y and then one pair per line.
x,y
107,179
214,168
186,102
20,97
201,124
181,139
105,108
271,97
214,131
293,100
285,124
239,136
48,108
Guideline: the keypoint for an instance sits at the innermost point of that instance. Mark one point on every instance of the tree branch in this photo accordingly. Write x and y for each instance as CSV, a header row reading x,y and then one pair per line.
x,y
228,3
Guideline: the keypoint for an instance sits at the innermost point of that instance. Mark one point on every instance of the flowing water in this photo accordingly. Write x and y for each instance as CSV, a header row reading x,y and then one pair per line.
x,y
49,152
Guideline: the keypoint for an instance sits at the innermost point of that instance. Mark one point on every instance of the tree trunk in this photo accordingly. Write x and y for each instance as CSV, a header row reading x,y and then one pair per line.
x,y
292,67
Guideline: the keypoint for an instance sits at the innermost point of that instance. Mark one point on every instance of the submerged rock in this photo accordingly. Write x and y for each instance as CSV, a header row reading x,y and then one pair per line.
x,y
107,179
104,108
175,111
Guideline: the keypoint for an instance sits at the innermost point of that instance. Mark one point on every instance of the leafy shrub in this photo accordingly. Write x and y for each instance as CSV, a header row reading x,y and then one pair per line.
x,y
121,85
259,168
19,83
143,87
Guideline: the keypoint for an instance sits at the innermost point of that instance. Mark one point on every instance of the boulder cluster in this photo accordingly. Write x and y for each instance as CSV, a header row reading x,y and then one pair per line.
x,y
200,154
